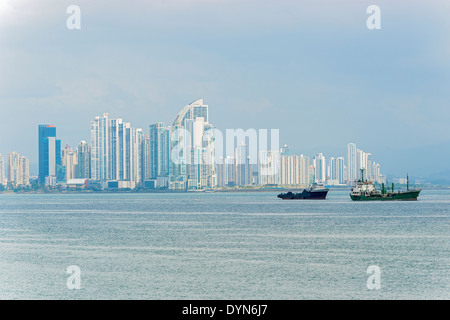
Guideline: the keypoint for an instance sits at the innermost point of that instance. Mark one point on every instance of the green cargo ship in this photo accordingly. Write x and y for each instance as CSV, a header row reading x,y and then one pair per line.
x,y
366,191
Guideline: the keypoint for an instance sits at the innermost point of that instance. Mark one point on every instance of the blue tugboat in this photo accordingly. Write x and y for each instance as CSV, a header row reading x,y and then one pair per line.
x,y
315,192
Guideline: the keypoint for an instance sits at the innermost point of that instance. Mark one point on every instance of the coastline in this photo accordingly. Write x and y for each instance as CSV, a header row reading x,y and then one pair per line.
x,y
219,190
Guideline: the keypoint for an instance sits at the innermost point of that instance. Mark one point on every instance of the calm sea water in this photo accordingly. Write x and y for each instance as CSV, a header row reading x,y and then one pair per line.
x,y
223,246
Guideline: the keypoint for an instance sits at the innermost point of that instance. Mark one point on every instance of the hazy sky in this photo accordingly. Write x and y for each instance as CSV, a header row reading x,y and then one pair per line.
x,y
310,68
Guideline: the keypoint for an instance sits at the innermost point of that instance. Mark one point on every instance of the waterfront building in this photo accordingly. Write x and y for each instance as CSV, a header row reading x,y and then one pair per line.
x,y
3,180
14,172
336,176
269,168
159,150
49,152
242,165
352,169
145,158
192,142
303,170
69,160
320,168
24,171
84,161
100,148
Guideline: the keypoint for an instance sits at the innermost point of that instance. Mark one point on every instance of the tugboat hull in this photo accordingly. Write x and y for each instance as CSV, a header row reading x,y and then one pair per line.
x,y
305,195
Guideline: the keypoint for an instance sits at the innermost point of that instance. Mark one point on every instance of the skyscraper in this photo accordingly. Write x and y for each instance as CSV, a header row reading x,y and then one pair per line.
x,y
337,170
242,165
49,152
352,169
193,142
320,168
2,170
145,158
100,148
341,170
24,171
84,161
14,173
159,150
137,156
269,167
69,161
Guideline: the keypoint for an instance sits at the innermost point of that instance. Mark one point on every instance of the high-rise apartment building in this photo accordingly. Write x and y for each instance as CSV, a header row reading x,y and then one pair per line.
x,y
69,160
18,169
191,141
100,148
242,165
336,171
115,151
352,169
24,171
159,150
269,167
145,158
3,180
83,170
320,168
49,152
14,172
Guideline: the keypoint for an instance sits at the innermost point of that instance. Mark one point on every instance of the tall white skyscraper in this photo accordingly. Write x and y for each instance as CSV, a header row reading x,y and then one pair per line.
x,y
192,142
25,171
145,158
320,168
337,170
2,170
269,167
69,160
242,165
18,169
352,169
360,165
137,156
303,169
115,151
14,172
100,148
341,170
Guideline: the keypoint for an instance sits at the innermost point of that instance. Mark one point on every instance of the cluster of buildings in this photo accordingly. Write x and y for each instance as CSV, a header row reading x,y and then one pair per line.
x,y
15,170
120,156
300,170
186,155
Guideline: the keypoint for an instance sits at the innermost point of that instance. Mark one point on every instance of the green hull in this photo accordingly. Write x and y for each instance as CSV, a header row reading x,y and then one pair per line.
x,y
390,196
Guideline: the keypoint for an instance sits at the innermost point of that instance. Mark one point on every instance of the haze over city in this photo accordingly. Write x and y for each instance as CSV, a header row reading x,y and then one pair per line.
x,y
311,69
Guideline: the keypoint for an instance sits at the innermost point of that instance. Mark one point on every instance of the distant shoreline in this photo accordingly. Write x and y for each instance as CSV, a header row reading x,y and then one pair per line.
x,y
237,190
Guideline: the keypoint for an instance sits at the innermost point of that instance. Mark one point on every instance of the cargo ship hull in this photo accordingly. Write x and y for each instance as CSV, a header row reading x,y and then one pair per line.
x,y
390,196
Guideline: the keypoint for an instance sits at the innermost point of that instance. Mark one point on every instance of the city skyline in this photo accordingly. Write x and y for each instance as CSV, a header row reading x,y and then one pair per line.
x,y
186,155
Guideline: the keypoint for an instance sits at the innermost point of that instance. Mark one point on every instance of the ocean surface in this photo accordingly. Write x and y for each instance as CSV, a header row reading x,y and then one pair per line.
x,y
247,245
